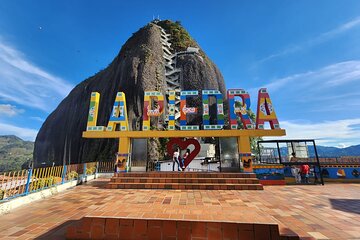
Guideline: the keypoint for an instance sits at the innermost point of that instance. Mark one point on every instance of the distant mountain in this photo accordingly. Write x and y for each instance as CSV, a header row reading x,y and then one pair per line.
x,y
329,152
337,152
15,153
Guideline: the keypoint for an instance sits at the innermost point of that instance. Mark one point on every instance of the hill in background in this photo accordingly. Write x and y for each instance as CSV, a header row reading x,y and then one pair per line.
x,y
330,152
14,153
338,152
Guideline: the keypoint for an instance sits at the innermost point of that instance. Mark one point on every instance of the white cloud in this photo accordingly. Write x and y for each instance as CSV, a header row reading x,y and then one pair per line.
x,y
25,83
327,77
10,110
328,133
24,133
331,92
38,119
332,87
316,40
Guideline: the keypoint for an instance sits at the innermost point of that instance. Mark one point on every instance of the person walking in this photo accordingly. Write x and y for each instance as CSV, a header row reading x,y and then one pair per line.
x,y
176,160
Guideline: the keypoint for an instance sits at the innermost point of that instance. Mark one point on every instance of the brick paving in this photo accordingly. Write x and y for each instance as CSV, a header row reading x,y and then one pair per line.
x,y
320,212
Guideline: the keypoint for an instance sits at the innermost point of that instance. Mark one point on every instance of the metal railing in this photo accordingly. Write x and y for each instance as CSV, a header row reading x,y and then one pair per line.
x,y
19,183
322,160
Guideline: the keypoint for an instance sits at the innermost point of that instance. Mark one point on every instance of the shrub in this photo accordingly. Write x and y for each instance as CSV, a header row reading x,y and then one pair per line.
x,y
72,175
50,181
2,194
90,170
180,37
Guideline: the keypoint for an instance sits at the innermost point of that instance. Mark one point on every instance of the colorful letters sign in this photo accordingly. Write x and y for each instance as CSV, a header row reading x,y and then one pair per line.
x,y
239,109
265,110
220,109
185,110
171,123
148,108
118,114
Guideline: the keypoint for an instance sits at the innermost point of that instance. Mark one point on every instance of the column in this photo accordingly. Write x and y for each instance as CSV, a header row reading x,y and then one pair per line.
x,y
245,153
123,152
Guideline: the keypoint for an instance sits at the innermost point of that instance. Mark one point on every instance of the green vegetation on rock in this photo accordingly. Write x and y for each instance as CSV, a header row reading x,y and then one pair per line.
x,y
15,153
180,38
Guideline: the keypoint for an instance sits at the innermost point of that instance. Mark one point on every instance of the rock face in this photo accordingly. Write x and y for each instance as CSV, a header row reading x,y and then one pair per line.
x,y
139,67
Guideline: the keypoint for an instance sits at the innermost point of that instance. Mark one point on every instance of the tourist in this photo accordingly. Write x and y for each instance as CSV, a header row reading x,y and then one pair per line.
x,y
295,171
116,166
184,158
176,159
305,170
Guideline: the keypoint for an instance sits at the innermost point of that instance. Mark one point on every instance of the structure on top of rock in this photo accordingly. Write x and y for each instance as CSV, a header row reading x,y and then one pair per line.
x,y
160,56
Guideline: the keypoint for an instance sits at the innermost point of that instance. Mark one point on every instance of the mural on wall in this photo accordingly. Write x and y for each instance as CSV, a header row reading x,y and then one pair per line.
x,y
313,170
269,173
341,172
355,173
333,172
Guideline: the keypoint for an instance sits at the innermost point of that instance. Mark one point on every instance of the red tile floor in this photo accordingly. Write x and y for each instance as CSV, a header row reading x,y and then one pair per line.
x,y
321,212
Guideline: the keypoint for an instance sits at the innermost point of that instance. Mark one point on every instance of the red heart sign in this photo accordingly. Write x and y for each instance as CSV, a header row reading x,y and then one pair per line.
x,y
184,145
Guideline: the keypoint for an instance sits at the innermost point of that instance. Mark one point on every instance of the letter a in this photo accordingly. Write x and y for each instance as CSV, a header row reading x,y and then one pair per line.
x,y
265,111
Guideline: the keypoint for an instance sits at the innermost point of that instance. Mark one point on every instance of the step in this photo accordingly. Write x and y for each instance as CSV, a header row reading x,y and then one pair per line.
x,y
185,175
185,180
287,234
100,227
200,186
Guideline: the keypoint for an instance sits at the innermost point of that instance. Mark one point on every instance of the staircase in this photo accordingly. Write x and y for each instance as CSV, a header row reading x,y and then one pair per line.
x,y
106,227
185,180
172,73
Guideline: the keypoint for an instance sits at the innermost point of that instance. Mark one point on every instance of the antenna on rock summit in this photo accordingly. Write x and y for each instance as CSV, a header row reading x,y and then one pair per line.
x,y
156,20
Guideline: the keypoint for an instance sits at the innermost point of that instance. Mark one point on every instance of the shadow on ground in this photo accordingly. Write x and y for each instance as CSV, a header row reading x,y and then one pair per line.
x,y
57,233
346,205
97,183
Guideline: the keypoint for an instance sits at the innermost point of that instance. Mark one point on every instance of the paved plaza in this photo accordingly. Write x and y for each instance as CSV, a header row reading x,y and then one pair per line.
x,y
313,212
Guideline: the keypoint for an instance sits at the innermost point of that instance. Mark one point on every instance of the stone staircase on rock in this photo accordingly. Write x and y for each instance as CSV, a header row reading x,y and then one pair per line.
x,y
185,180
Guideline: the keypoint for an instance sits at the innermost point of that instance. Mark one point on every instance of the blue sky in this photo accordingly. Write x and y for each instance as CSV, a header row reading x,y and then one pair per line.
x,y
307,54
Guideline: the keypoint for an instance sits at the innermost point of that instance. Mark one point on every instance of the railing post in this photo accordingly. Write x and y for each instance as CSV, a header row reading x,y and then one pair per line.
x,y
84,169
28,181
63,175
97,169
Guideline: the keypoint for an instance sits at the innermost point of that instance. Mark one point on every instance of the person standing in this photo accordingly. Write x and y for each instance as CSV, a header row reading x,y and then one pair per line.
x,y
305,171
294,169
184,159
176,160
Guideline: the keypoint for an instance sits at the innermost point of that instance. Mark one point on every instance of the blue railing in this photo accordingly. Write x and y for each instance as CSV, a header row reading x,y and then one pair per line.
x,y
20,183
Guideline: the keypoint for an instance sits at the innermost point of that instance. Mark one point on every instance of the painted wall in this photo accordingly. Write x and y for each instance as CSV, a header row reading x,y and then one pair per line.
x,y
334,171
268,172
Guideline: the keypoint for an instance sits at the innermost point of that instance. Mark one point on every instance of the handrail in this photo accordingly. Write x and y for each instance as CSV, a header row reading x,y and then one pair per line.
x,y
24,182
